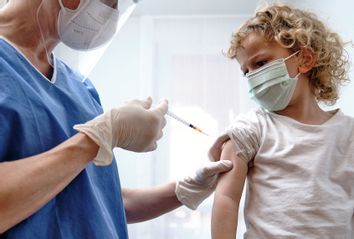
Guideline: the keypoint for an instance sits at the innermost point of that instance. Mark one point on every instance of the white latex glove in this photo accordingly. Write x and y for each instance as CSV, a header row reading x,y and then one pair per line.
x,y
216,148
134,126
193,190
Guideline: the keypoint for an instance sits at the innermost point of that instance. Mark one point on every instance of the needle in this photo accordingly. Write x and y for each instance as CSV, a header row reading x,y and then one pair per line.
x,y
169,113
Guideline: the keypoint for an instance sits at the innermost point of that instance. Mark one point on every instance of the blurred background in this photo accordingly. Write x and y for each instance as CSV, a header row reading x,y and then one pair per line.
x,y
175,50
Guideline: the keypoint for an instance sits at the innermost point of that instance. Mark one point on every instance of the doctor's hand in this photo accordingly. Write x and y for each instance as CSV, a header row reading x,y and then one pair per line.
x,y
193,190
135,126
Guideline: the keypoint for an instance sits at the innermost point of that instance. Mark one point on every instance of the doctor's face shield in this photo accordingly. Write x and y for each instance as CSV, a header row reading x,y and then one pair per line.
x,y
2,3
86,28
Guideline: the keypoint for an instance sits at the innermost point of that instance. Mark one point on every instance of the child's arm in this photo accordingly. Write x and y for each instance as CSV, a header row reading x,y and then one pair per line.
x,y
227,196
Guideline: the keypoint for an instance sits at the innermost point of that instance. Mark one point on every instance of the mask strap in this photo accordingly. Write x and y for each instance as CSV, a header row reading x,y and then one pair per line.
x,y
297,75
48,54
287,58
61,4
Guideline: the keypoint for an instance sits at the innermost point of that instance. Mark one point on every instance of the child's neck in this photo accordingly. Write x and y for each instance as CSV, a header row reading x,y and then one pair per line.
x,y
307,112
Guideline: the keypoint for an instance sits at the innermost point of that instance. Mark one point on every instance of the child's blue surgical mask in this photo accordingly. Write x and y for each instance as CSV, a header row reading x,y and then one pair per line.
x,y
271,86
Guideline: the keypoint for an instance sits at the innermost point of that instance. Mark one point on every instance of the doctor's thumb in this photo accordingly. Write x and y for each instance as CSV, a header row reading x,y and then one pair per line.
x,y
219,167
147,102
216,149
161,108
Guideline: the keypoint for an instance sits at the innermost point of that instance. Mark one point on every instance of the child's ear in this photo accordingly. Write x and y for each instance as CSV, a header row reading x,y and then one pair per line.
x,y
307,60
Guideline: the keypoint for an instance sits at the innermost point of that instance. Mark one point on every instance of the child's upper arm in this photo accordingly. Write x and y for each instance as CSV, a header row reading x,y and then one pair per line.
x,y
244,141
227,195
231,183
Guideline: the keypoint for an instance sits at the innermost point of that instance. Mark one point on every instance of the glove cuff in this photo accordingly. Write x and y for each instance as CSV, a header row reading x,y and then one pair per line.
x,y
104,155
191,195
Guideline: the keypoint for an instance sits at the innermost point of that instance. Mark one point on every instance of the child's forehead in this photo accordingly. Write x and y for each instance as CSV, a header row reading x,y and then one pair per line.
x,y
255,43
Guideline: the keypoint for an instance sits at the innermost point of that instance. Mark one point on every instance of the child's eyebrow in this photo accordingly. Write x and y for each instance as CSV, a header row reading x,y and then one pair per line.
x,y
258,56
250,60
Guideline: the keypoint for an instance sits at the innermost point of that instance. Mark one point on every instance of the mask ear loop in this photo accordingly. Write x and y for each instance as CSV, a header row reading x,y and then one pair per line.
x,y
49,58
287,58
297,75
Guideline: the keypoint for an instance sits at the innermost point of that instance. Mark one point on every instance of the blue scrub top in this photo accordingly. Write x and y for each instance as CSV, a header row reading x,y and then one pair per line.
x,y
37,115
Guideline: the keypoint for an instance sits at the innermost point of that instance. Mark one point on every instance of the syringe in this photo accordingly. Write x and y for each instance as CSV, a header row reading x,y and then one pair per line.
x,y
169,113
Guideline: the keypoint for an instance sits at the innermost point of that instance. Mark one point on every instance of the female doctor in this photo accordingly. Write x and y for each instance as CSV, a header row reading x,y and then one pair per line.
x,y
49,188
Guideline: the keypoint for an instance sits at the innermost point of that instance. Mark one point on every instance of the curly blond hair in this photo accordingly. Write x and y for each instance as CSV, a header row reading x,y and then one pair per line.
x,y
296,29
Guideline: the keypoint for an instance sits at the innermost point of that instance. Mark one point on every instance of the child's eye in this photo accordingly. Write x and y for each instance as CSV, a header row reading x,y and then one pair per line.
x,y
261,63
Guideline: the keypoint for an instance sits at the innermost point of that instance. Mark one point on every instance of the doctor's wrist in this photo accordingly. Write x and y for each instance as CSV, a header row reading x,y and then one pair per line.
x,y
88,147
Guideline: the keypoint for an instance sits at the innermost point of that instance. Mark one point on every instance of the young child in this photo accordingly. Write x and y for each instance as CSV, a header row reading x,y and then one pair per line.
x,y
298,158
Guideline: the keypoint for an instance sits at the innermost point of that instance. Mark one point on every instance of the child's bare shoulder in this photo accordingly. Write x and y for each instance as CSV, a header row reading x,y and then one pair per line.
x,y
229,148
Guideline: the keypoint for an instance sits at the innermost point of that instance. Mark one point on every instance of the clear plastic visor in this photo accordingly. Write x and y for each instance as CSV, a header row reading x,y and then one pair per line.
x,y
86,31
